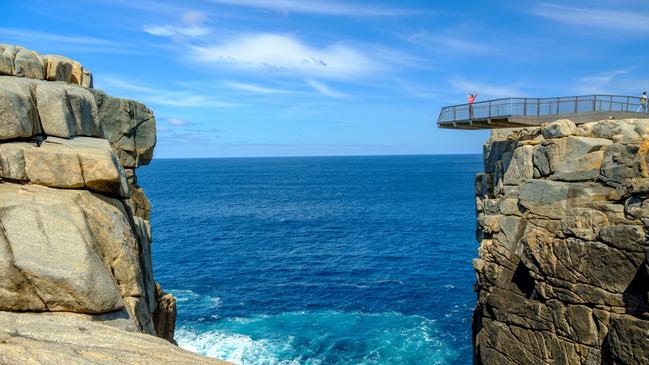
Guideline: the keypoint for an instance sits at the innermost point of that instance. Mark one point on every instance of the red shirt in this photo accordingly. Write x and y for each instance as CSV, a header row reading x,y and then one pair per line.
x,y
472,99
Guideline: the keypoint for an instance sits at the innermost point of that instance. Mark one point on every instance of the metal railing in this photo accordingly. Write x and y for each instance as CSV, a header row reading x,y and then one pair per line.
x,y
540,107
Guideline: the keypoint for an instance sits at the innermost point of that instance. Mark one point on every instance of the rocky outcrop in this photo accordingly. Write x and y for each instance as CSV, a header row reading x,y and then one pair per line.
x,y
27,338
563,274
21,62
75,237
32,107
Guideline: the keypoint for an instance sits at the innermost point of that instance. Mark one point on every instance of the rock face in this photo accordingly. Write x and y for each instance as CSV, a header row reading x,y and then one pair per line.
x,y
30,339
21,62
75,237
563,273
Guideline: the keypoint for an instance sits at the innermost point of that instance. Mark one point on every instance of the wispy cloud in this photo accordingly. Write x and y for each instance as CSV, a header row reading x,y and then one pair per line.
x,y
600,83
194,17
89,44
286,54
175,98
320,7
192,21
485,89
324,89
174,31
611,19
175,121
450,44
254,88
188,136
417,90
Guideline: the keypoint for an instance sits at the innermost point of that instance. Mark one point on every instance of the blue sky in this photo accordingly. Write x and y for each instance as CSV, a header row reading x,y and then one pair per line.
x,y
314,77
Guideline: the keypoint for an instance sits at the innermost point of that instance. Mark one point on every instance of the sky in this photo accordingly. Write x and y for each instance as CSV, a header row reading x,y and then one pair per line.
x,y
235,78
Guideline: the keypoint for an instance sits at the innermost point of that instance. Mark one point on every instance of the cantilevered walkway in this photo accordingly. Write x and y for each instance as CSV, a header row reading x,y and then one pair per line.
x,y
525,112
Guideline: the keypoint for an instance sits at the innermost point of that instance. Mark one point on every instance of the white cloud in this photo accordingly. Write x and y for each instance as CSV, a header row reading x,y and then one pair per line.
x,y
417,90
64,42
175,121
320,7
192,21
254,88
194,17
600,83
598,18
173,31
485,90
176,98
286,54
323,89
453,44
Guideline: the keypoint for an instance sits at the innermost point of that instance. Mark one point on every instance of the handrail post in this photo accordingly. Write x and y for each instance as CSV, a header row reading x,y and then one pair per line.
x,y
610,105
576,101
594,103
628,100
525,107
558,102
489,114
454,114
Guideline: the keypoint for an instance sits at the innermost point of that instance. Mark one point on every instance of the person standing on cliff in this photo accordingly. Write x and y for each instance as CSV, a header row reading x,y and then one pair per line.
x,y
643,102
471,98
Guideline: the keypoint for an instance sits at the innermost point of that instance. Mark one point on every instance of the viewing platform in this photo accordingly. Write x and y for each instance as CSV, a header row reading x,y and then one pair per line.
x,y
526,112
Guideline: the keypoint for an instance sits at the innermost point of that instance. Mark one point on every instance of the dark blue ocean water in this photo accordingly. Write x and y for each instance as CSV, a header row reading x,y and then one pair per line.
x,y
318,260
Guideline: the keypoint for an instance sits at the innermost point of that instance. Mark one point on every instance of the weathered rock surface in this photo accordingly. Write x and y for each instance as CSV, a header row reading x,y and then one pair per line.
x,y
44,339
76,273
80,162
21,62
32,107
563,274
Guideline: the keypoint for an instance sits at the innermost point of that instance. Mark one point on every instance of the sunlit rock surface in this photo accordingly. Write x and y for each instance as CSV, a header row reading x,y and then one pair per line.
x,y
562,273
76,275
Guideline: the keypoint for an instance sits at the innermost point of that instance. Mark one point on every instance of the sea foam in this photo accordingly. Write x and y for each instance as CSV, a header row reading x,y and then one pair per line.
x,y
320,338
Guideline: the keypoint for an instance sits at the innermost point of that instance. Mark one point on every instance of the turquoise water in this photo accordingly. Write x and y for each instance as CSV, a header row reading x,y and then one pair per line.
x,y
318,260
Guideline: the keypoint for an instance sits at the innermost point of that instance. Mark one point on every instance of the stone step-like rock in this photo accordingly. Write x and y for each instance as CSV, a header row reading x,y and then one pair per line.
x,y
76,163
21,62
33,107
64,339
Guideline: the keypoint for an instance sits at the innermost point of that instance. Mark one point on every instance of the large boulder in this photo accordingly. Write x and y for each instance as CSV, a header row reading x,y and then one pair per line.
x,y
7,57
18,113
27,64
552,199
50,260
28,338
581,168
66,110
80,162
30,107
559,128
21,62
71,250
58,68
129,126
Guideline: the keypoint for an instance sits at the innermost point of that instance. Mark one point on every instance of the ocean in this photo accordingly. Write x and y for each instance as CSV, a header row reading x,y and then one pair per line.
x,y
318,260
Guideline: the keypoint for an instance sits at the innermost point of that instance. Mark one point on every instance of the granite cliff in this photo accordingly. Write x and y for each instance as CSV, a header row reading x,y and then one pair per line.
x,y
562,273
76,279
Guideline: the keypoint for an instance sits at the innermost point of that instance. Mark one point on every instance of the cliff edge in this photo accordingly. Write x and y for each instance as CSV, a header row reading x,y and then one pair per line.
x,y
76,279
562,273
